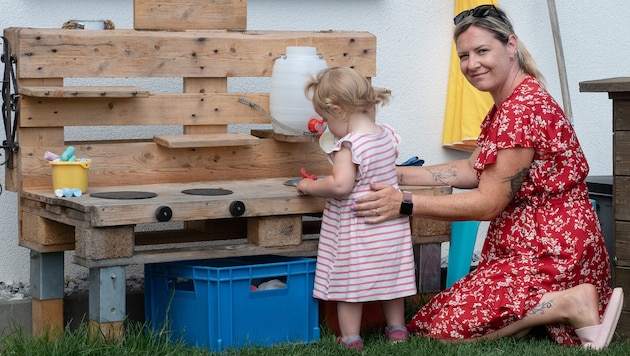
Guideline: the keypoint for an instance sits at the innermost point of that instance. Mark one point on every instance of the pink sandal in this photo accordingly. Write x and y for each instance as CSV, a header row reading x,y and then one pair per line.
x,y
598,337
396,333
353,342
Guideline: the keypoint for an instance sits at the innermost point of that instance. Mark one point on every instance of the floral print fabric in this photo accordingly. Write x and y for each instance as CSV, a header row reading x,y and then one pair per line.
x,y
547,239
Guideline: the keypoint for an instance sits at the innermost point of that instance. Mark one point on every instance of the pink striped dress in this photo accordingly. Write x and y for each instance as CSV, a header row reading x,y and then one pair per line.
x,y
359,262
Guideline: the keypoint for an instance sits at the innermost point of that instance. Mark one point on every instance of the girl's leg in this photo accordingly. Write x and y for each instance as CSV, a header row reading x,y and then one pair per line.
x,y
349,315
394,311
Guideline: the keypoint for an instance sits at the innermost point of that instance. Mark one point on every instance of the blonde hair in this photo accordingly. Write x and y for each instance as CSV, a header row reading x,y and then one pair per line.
x,y
345,87
501,27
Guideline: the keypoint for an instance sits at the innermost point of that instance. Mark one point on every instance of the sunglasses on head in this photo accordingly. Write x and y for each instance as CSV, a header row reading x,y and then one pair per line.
x,y
479,11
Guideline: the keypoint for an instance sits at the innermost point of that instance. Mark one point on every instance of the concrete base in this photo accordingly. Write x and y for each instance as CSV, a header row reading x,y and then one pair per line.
x,y
17,313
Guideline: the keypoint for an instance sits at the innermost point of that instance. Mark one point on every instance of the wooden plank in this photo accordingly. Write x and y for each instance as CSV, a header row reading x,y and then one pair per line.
x,y
206,140
84,92
47,318
421,228
280,230
45,248
44,232
159,109
428,267
190,14
69,213
621,153
104,243
285,138
622,243
617,84
107,331
621,198
621,115
46,53
201,86
261,197
229,248
622,333
130,163
622,278
218,229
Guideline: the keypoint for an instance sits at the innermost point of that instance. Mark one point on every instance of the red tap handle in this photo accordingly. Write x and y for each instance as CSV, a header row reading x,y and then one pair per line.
x,y
316,126
306,175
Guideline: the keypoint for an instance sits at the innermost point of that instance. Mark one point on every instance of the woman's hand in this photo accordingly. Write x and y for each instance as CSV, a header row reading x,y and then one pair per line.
x,y
381,205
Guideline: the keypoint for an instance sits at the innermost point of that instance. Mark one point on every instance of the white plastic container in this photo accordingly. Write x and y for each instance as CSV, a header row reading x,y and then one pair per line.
x,y
287,102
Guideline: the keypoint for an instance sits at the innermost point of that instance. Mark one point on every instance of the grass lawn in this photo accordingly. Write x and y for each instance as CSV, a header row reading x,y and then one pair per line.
x,y
137,341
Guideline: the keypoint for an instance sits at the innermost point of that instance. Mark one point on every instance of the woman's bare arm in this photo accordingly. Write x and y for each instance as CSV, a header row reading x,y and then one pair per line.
x,y
497,186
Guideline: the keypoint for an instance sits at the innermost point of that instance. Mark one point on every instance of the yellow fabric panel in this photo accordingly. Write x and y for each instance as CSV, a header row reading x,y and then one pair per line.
x,y
466,106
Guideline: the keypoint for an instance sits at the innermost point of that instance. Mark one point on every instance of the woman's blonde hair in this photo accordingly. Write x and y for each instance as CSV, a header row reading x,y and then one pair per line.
x,y
500,26
345,87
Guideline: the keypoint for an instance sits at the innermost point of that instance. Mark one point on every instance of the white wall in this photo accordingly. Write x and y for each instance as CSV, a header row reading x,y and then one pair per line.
x,y
413,42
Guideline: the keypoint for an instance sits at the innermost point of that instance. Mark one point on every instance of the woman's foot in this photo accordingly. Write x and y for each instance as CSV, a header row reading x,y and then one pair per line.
x,y
598,337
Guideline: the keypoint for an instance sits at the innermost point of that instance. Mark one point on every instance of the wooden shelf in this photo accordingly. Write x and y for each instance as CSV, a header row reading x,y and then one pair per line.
x,y
84,92
285,138
206,140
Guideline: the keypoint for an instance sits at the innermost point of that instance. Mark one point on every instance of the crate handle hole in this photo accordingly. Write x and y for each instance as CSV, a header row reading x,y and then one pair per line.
x,y
184,284
279,282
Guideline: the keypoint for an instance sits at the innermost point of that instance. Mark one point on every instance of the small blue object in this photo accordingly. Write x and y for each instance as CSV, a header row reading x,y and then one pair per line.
x,y
67,154
77,192
413,161
67,192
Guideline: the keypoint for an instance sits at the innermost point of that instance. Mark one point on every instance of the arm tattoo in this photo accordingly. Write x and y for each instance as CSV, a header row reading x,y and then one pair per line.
x,y
540,308
516,181
444,176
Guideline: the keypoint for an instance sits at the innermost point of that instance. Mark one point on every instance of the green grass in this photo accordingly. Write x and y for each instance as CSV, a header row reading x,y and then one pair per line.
x,y
137,341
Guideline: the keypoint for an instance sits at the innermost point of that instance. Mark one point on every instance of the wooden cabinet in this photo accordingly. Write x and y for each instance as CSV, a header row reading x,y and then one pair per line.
x,y
618,90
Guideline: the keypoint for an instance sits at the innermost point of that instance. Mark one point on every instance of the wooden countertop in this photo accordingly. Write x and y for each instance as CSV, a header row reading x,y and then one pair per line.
x,y
261,197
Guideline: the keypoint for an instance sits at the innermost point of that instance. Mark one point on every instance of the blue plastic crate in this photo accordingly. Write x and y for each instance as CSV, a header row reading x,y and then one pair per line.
x,y
211,303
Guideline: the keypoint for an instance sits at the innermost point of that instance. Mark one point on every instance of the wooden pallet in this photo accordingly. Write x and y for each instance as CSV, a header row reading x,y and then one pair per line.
x,y
203,49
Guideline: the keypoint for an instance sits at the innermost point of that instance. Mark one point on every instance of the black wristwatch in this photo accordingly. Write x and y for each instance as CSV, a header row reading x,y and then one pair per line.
x,y
406,207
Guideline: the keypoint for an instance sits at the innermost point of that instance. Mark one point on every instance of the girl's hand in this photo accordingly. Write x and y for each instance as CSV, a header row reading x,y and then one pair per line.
x,y
301,186
382,204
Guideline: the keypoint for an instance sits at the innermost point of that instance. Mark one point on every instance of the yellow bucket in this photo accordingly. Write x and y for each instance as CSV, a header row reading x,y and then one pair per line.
x,y
70,174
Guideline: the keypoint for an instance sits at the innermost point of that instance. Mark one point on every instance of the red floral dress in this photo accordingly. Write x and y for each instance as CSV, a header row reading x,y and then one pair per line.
x,y
547,239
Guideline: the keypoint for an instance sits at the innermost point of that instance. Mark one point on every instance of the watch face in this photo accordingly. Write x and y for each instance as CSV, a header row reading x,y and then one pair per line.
x,y
406,208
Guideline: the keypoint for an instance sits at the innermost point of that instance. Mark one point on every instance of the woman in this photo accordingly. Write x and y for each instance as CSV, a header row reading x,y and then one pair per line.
x,y
544,261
